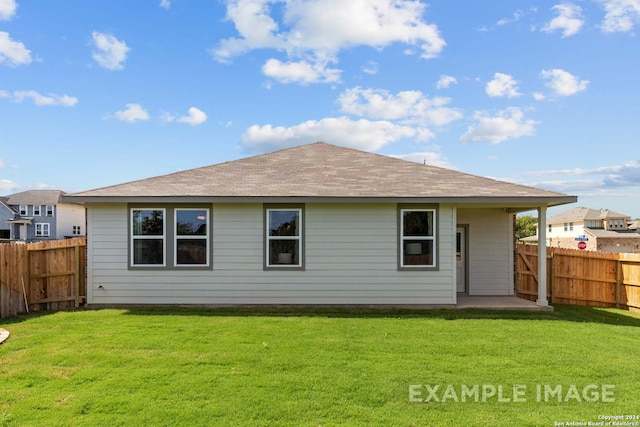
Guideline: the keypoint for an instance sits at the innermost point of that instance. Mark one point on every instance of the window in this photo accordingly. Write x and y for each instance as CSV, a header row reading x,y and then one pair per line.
x,y
49,210
418,238
284,237
550,228
42,230
191,237
76,229
570,226
23,210
36,210
147,237
566,226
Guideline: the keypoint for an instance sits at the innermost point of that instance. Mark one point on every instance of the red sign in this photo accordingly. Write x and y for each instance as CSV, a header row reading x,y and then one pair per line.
x,y
582,245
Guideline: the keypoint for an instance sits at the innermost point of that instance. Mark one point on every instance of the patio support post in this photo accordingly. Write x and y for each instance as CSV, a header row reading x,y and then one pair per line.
x,y
542,257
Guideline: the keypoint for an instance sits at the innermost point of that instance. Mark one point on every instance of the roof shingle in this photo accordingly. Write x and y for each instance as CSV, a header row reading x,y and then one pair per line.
x,y
319,170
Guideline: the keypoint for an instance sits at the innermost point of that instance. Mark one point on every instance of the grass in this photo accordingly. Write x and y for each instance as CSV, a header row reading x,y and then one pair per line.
x,y
326,367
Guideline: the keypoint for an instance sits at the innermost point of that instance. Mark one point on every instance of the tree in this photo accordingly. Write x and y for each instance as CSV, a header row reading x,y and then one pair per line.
x,y
525,226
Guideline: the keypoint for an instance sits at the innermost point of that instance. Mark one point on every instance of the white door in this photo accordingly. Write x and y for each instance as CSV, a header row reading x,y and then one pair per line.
x,y
461,262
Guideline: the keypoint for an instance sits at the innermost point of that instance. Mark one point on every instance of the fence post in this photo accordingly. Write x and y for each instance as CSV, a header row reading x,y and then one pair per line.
x,y
619,281
551,281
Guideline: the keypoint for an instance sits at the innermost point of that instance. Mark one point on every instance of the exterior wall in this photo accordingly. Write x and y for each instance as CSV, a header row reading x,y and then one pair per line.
x,y
490,251
571,243
5,214
602,244
351,257
557,230
68,216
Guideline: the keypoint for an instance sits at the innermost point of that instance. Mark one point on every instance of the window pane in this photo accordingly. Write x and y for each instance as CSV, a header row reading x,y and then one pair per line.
x,y
284,223
147,251
417,223
148,223
418,252
191,251
284,252
191,222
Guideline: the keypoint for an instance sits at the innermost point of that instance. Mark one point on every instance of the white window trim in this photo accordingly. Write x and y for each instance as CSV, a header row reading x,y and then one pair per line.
x,y
433,238
37,210
23,210
204,237
44,229
53,211
299,238
156,237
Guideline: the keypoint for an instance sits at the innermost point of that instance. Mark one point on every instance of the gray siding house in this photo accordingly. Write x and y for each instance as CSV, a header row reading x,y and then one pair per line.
x,y
315,224
37,215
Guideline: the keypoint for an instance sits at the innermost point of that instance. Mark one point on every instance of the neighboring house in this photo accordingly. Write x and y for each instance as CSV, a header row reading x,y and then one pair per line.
x,y
315,224
600,230
6,213
41,215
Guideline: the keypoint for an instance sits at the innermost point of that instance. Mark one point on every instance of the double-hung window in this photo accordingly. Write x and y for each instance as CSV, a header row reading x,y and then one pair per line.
x,y
418,238
50,210
148,230
42,230
284,244
36,210
169,237
191,236
23,210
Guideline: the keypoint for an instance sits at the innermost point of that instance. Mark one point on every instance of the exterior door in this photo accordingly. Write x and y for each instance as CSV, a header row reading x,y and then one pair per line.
x,y
461,260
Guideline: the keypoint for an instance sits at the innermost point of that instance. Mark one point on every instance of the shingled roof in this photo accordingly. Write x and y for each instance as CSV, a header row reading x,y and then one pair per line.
x,y
321,170
35,197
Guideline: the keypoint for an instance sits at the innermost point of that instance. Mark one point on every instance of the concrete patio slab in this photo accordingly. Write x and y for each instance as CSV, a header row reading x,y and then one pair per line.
x,y
499,303
4,334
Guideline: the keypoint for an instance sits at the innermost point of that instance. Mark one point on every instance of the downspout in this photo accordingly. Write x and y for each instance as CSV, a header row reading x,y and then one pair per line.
x,y
542,257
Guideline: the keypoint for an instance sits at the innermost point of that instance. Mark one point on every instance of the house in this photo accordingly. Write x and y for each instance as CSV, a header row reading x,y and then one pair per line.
x,y
600,230
6,213
315,224
41,215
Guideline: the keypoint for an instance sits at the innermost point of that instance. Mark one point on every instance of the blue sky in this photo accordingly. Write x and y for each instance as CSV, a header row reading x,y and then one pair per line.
x,y
542,93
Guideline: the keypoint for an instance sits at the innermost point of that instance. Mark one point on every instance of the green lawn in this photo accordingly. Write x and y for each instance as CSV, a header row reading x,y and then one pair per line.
x,y
176,366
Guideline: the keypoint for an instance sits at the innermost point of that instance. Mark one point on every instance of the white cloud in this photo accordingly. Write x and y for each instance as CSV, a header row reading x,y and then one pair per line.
x,y
166,4
109,53
539,96
445,81
603,177
361,134
7,9
7,186
133,113
506,124
409,107
502,85
6,165
300,72
195,117
562,82
514,18
569,20
371,68
426,157
317,31
42,100
13,52
621,15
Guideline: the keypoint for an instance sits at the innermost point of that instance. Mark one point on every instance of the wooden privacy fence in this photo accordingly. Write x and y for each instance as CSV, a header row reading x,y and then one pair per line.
x,y
49,275
581,277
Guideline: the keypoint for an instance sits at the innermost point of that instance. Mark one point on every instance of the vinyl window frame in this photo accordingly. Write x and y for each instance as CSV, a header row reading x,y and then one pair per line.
x,y
435,264
50,211
169,236
42,229
37,210
205,237
300,238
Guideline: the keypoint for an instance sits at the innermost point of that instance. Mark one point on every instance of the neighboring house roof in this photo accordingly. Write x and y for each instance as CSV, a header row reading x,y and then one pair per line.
x,y
633,225
35,197
325,171
618,234
584,214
